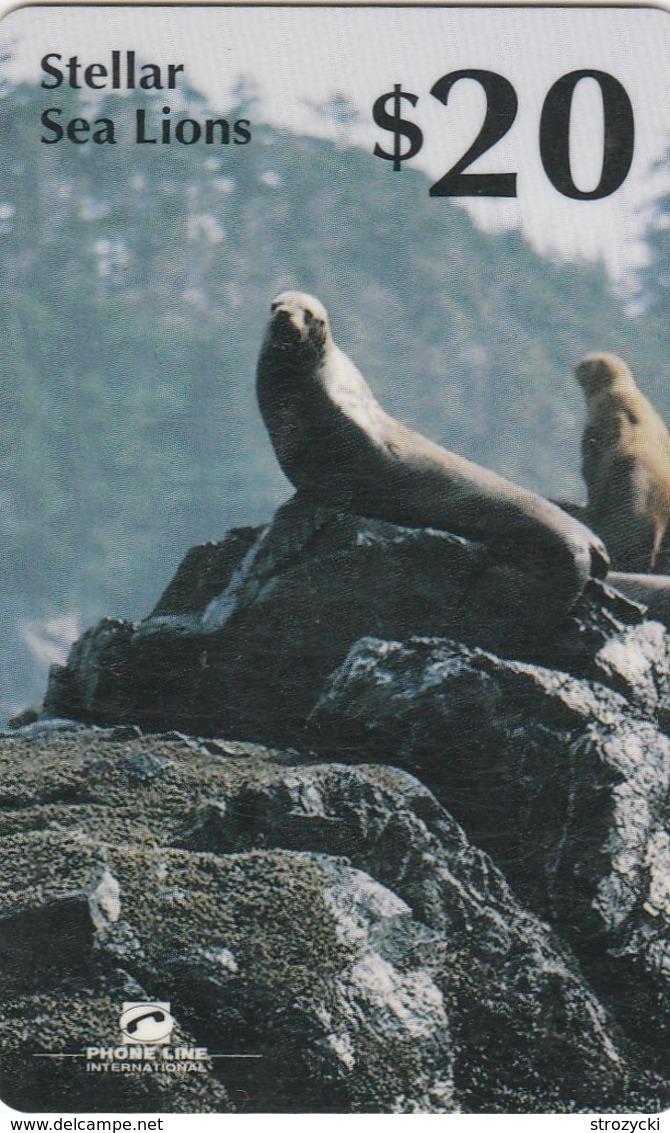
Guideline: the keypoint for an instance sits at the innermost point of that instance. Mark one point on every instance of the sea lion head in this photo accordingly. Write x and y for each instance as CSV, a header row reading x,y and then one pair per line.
x,y
598,373
298,328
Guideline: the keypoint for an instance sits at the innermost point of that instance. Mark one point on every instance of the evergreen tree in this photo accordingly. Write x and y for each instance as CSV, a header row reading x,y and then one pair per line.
x,y
654,277
134,288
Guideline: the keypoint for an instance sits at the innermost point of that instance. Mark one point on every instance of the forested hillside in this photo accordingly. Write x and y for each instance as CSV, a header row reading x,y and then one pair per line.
x,y
134,287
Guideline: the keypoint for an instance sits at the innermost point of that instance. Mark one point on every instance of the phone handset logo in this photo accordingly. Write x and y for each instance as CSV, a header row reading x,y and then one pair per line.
x,y
146,1023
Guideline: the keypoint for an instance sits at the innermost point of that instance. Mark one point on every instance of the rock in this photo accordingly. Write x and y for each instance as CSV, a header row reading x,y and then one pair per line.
x,y
97,681
26,716
536,943
74,1010
515,996
560,780
237,941
205,573
334,920
61,994
251,660
650,590
315,972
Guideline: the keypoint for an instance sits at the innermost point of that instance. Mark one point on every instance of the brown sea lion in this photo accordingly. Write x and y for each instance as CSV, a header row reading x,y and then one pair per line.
x,y
337,445
625,463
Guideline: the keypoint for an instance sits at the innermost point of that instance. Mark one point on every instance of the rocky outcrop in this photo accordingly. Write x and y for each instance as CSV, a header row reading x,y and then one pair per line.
x,y
562,781
327,933
445,886
245,637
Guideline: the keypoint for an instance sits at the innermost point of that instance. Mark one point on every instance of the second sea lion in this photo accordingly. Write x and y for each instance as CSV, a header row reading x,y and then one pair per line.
x,y
625,463
337,445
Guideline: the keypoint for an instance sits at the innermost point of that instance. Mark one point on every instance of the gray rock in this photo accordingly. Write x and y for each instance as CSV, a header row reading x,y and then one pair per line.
x,y
299,971
362,642
62,993
333,920
560,780
72,1010
251,660
530,1035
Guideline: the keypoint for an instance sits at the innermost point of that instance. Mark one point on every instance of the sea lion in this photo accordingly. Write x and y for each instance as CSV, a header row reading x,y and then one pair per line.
x,y
625,463
337,445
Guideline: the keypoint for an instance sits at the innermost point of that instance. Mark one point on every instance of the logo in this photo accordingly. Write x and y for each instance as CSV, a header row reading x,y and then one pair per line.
x,y
148,1023
146,1046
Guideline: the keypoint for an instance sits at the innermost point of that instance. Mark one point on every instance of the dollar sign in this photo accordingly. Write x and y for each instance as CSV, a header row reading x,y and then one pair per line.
x,y
400,126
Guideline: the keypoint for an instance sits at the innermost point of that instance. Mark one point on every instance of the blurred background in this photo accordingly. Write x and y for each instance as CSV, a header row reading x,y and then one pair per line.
x,y
133,298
